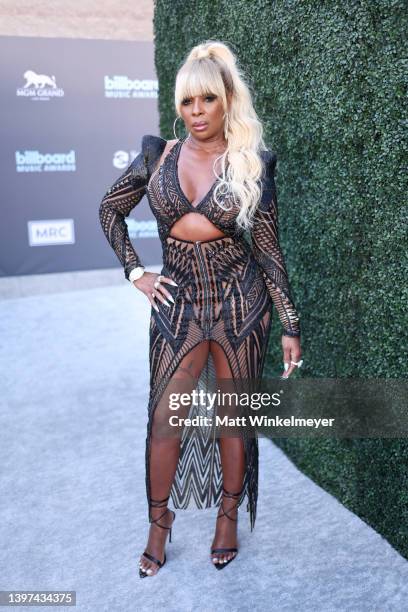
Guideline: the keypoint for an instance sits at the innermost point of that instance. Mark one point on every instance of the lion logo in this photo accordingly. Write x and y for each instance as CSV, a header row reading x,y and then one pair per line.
x,y
39,81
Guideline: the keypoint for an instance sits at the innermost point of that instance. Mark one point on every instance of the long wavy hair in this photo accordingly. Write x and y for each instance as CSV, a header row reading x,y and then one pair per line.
x,y
211,68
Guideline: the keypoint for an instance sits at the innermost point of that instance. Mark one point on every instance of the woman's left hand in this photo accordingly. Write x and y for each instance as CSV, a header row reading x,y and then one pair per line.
x,y
291,352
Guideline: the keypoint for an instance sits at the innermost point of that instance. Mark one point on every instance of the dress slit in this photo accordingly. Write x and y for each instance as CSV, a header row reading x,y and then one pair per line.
x,y
198,480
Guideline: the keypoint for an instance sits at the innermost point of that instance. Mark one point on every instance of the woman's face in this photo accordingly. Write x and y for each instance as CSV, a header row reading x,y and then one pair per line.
x,y
203,116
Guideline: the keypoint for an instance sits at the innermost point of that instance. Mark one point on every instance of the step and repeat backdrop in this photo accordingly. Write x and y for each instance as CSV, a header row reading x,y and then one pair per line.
x,y
73,114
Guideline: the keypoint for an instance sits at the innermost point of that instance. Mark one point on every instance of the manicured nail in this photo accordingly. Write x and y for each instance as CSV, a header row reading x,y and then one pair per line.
x,y
174,283
156,307
171,298
166,302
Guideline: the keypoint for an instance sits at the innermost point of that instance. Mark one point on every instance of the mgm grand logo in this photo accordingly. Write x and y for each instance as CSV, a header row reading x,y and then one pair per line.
x,y
39,87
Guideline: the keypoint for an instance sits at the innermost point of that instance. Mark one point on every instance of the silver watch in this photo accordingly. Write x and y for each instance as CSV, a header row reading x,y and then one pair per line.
x,y
136,273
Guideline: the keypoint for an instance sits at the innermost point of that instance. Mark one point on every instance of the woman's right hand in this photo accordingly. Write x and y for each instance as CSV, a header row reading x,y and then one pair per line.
x,y
151,285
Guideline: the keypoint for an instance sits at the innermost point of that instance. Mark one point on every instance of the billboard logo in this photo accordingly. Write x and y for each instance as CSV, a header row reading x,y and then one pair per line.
x,y
39,87
120,86
34,161
51,231
122,159
141,229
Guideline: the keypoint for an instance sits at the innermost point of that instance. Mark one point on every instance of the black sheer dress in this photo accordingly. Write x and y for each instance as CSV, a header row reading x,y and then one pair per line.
x,y
226,289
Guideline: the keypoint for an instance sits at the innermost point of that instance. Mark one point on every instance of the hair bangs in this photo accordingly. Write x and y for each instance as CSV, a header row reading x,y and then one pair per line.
x,y
198,78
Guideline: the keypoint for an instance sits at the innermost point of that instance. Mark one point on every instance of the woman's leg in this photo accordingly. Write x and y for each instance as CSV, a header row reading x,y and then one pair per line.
x,y
233,470
164,454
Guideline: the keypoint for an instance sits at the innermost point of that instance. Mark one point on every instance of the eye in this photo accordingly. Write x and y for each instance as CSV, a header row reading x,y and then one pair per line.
x,y
186,101
210,98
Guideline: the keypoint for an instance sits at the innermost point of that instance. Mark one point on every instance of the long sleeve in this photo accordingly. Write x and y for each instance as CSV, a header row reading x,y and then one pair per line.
x,y
120,199
267,251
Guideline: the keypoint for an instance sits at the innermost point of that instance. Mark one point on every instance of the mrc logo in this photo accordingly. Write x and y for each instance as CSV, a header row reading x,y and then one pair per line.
x,y
51,232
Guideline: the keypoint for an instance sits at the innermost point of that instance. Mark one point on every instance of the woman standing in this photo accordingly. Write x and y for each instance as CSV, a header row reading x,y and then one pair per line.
x,y
212,303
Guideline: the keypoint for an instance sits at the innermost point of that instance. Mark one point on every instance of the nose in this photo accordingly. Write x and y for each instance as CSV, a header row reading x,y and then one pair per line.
x,y
197,110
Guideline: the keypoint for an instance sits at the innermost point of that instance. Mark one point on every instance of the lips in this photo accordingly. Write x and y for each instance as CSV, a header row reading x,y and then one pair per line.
x,y
200,125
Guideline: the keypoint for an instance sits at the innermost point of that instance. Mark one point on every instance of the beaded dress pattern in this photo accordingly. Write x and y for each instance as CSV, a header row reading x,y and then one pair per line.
x,y
226,292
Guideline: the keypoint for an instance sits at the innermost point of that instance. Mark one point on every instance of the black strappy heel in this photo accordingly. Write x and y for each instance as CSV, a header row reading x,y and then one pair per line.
x,y
157,504
225,493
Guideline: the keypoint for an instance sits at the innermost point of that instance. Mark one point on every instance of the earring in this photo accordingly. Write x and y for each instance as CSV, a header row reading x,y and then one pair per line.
x,y
174,127
226,125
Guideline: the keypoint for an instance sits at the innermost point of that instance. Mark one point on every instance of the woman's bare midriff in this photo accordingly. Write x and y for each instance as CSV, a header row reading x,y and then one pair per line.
x,y
194,226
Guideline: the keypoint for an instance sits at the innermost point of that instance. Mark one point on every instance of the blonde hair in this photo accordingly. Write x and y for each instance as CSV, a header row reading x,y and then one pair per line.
x,y
211,67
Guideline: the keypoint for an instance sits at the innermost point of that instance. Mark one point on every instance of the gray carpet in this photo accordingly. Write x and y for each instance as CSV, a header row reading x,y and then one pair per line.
x,y
74,374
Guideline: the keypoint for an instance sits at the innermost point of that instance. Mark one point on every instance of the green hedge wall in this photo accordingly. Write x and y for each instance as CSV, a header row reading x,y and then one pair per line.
x,y
329,82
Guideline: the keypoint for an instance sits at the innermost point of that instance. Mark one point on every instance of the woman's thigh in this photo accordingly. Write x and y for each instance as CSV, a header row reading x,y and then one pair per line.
x,y
182,381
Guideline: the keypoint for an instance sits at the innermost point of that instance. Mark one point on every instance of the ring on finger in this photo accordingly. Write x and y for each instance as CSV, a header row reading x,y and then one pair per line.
x,y
160,278
156,284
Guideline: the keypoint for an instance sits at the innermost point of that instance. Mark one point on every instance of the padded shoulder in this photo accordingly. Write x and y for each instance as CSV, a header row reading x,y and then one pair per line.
x,y
269,159
152,148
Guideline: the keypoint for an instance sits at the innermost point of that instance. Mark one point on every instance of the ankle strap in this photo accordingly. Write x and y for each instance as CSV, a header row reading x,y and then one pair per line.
x,y
159,503
228,494
235,496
